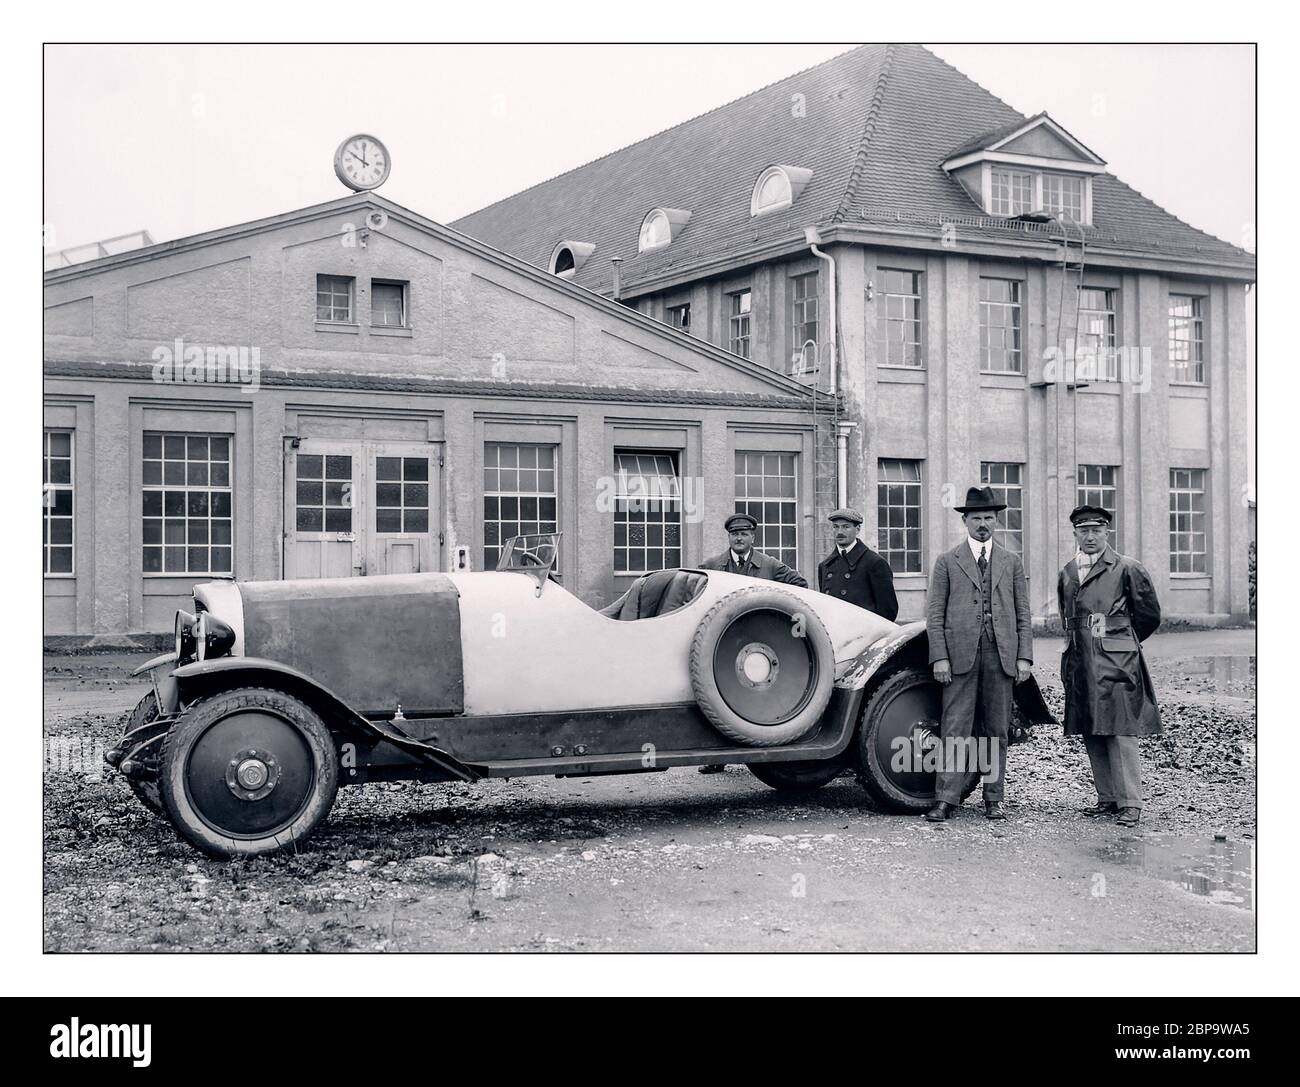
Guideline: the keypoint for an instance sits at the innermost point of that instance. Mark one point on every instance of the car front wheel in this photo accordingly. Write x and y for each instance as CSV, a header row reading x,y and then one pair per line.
x,y
247,772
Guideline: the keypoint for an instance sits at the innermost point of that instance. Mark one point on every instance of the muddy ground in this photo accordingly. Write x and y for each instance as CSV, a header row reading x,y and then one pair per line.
x,y
676,861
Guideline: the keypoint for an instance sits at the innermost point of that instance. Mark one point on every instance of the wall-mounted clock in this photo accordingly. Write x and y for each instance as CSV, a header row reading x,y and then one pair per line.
x,y
362,162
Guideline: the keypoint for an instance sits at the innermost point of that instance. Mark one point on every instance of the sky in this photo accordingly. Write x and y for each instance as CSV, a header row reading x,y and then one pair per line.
x,y
182,139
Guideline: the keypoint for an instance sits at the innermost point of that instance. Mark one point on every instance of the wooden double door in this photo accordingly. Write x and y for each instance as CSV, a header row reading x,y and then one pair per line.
x,y
362,507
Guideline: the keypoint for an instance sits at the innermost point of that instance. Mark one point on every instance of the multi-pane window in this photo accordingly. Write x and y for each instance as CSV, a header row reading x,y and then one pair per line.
x,y
1187,545
738,332
803,319
1013,192
56,501
519,494
647,512
898,514
186,504
679,316
898,318
1000,326
1062,193
1006,483
401,494
1186,340
1098,485
387,304
765,489
334,298
324,493
1095,356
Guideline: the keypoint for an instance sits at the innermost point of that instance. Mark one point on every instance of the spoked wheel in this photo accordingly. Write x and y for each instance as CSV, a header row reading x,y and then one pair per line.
x,y
762,667
247,772
146,791
798,777
897,741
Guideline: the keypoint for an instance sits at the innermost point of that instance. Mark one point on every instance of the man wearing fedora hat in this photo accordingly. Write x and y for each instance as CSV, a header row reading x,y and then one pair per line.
x,y
741,558
981,642
1108,607
853,572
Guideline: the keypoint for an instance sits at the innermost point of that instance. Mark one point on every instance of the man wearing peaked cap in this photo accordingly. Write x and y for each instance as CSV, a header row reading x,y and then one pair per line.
x,y
741,558
1108,607
853,572
981,639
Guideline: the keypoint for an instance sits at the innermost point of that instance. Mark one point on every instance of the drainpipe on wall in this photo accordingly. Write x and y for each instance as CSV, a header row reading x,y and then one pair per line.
x,y
618,286
841,432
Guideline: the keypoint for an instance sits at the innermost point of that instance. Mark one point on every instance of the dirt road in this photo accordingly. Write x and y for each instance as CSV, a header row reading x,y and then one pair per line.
x,y
676,861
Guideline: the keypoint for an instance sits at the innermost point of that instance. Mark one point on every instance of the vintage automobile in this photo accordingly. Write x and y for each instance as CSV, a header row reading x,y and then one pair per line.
x,y
278,692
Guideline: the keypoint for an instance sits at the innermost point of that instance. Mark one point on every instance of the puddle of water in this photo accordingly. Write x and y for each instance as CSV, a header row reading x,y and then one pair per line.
x,y
1220,871
1222,670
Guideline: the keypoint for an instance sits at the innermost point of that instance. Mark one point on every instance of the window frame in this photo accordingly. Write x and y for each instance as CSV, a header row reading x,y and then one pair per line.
x,y
1196,341
1011,173
1111,356
621,512
519,496
351,282
404,290
682,308
1005,490
884,522
1195,517
1087,493
162,487
47,489
737,318
755,505
1016,307
883,321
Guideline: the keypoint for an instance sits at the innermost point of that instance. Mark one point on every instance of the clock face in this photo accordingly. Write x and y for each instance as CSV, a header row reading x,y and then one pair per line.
x,y
362,162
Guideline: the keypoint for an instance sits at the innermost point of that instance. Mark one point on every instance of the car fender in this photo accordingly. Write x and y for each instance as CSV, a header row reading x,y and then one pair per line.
x,y
195,678
857,671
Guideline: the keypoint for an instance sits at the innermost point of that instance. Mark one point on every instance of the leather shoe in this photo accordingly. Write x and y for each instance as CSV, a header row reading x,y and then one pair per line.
x,y
993,810
939,813
1102,807
1128,817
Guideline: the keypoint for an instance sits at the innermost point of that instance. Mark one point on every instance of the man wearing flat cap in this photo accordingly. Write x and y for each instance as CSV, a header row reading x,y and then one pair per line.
x,y
981,642
741,558
1108,608
853,572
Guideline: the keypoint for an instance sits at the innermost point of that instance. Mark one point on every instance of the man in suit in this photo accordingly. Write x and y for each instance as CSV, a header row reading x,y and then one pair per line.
x,y
855,573
981,641
741,558
1108,607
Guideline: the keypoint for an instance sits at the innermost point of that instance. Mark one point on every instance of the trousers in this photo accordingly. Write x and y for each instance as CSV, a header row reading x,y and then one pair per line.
x,y
1116,769
986,688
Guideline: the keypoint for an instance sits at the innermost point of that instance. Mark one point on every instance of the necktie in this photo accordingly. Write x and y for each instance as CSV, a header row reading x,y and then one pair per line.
x,y
984,563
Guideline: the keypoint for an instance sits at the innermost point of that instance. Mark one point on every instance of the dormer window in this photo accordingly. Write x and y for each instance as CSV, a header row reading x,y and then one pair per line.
x,y
1029,167
659,228
568,256
777,187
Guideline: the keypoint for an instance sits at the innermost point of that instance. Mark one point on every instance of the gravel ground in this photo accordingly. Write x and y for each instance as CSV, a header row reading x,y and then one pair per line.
x,y
676,861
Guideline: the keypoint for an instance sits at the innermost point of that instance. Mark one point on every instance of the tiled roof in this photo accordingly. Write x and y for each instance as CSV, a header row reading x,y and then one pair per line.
x,y
873,124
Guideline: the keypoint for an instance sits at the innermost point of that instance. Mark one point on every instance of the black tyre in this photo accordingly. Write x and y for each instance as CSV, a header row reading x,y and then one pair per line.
x,y
762,667
798,777
248,772
147,792
901,720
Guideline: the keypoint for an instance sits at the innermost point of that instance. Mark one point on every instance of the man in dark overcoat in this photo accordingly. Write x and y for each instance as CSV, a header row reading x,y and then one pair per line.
x,y
981,642
855,573
1108,607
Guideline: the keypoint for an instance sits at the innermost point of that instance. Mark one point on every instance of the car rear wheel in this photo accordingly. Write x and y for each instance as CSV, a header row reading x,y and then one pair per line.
x,y
762,667
248,772
798,777
900,727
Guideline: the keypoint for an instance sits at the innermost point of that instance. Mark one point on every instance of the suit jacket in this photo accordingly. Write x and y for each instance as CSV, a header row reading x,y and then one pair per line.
x,y
861,577
955,617
1108,690
758,565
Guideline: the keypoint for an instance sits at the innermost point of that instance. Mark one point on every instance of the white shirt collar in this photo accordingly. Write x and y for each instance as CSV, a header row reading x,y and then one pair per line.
x,y
735,557
976,546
